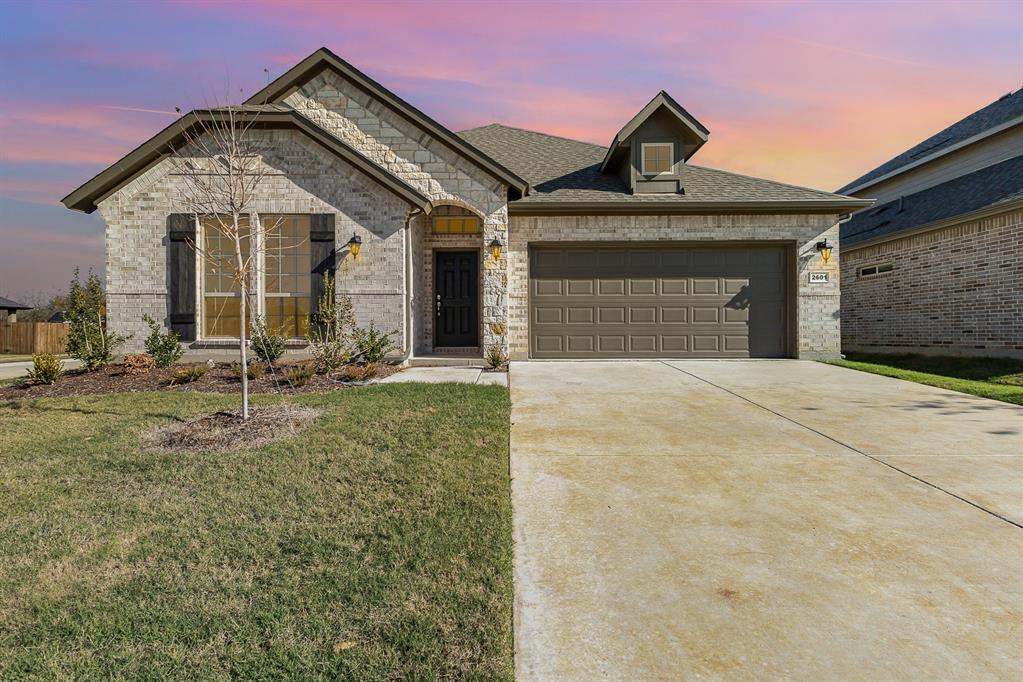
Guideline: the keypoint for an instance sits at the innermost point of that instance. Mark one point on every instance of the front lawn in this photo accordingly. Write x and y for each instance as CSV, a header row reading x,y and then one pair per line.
x,y
997,378
375,545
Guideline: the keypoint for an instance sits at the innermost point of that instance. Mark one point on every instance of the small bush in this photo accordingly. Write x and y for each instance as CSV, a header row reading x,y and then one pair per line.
x,y
371,344
188,375
331,337
356,373
300,375
88,339
46,368
164,347
254,371
495,355
138,363
268,345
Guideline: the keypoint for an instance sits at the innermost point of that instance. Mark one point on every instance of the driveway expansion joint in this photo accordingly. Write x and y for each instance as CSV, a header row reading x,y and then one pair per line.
x,y
846,445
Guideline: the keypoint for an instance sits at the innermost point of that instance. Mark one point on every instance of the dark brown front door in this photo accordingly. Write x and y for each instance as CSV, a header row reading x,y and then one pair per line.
x,y
456,304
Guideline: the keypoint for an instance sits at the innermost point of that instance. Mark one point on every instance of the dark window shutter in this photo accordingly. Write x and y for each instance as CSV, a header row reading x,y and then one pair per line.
x,y
181,267
322,246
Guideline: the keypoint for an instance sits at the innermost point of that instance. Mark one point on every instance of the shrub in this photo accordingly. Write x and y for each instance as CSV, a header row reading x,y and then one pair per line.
x,y
188,375
371,344
89,340
268,345
45,369
331,338
164,347
355,373
495,355
138,363
300,375
254,371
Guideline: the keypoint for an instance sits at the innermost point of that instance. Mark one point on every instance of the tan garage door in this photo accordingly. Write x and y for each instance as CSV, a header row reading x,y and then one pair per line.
x,y
617,301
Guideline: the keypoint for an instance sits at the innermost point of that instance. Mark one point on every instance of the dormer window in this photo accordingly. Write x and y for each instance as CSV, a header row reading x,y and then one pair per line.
x,y
657,157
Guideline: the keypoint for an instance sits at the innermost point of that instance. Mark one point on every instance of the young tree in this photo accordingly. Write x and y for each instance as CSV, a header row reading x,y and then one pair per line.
x,y
222,166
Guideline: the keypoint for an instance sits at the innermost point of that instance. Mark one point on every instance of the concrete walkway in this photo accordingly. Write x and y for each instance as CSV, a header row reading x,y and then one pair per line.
x,y
762,519
452,374
17,370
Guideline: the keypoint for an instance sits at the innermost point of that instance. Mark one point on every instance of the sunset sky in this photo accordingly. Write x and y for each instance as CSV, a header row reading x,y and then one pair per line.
x,y
811,93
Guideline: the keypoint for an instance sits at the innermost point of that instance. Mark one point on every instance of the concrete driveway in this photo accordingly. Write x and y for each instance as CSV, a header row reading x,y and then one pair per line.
x,y
762,519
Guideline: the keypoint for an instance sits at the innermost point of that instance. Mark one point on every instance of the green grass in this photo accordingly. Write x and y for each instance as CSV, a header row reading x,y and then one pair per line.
x,y
996,378
376,545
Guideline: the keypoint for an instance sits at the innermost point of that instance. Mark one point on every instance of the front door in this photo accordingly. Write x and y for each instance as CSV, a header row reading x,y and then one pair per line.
x,y
456,304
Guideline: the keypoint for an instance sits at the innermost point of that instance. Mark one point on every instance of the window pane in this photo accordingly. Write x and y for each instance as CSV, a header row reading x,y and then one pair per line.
x,y
288,266
656,158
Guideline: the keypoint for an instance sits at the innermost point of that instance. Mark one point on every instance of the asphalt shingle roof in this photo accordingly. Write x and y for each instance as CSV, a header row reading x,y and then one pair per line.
x,y
986,188
563,170
8,304
1004,109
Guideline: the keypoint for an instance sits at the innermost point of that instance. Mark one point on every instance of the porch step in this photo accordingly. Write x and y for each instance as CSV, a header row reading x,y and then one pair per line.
x,y
445,361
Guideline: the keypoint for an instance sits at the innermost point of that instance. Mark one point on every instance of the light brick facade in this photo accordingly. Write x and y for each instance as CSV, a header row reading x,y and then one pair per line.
x,y
817,305
391,282
957,290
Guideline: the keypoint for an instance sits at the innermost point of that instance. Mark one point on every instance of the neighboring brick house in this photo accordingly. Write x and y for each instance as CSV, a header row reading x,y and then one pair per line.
x,y
496,235
936,265
9,309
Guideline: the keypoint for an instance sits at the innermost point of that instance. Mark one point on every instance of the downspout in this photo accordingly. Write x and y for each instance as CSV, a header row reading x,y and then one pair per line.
x,y
407,283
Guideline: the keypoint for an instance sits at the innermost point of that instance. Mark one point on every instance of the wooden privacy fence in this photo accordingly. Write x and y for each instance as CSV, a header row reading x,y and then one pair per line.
x,y
22,338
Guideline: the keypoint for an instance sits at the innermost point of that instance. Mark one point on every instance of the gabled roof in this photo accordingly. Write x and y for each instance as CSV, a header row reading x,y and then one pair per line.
x,y
8,304
86,197
995,188
1004,113
565,177
660,100
309,67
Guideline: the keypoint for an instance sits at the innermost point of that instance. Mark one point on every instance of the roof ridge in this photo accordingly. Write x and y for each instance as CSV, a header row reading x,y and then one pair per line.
x,y
534,132
773,182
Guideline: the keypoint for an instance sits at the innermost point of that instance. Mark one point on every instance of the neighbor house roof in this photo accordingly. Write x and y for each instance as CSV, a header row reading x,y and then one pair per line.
x,y
1004,113
565,177
312,65
661,100
8,304
160,146
995,188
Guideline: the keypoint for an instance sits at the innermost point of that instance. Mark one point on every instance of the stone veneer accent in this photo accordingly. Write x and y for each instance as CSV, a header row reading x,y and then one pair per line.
x,y
956,290
397,145
817,308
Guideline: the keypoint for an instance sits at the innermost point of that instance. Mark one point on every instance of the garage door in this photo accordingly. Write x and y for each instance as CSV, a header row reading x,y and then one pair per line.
x,y
617,301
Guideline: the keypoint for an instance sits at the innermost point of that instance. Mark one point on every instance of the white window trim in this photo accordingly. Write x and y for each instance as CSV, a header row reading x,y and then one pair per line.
x,y
890,267
642,158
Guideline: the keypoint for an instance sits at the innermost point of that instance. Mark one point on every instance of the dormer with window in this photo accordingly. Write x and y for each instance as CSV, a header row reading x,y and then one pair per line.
x,y
650,152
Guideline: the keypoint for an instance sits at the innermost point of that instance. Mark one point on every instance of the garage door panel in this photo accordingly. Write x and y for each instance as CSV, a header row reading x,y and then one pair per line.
x,y
671,301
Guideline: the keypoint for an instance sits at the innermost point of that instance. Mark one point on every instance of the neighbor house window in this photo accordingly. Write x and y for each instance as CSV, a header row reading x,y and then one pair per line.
x,y
872,270
657,157
456,224
286,278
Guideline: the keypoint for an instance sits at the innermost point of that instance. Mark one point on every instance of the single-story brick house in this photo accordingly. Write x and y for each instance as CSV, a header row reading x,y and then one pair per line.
x,y
936,265
495,235
9,309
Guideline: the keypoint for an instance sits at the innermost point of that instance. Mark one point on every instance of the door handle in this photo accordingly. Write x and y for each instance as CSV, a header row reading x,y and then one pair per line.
x,y
438,306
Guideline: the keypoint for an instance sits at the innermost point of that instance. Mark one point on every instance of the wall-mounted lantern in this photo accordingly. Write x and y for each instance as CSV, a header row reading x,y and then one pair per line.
x,y
354,245
495,248
825,250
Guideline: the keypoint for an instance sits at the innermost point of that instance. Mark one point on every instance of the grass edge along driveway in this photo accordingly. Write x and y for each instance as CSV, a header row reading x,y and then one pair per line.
x,y
376,545
995,378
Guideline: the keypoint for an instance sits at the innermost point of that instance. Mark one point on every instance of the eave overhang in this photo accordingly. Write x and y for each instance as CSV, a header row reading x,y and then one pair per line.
x,y
87,197
551,208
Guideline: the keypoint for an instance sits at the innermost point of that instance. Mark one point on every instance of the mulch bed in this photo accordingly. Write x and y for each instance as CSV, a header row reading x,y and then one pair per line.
x,y
222,378
227,430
